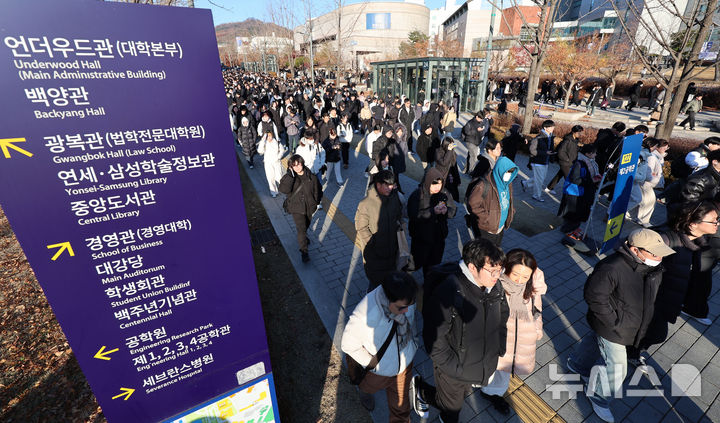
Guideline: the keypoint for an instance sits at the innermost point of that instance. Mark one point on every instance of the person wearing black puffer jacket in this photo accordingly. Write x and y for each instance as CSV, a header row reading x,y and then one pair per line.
x,y
465,331
246,140
620,293
303,196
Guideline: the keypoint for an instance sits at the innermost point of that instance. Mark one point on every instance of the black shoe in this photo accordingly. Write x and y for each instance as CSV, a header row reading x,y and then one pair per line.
x,y
305,256
498,402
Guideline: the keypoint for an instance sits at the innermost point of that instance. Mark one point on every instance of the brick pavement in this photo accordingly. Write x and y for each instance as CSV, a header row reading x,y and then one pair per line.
x,y
336,282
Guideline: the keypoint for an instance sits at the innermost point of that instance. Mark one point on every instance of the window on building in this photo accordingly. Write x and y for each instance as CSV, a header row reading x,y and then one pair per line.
x,y
526,33
377,21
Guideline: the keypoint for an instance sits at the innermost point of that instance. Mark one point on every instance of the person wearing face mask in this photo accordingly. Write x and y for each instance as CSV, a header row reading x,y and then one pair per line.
x,y
464,353
523,283
429,208
267,125
653,180
687,234
386,313
377,221
490,203
620,294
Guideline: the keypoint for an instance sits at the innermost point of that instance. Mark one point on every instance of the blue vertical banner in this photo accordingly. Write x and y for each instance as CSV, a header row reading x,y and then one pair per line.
x,y
119,178
621,194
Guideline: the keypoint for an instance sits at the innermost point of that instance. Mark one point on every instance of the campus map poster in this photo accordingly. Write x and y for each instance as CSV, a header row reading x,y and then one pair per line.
x,y
119,178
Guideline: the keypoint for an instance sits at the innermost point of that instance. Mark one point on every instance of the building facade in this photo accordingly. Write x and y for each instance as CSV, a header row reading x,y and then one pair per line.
x,y
467,24
367,31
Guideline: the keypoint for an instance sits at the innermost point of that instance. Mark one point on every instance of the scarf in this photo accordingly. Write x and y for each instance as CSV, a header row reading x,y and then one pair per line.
x,y
403,331
591,165
516,302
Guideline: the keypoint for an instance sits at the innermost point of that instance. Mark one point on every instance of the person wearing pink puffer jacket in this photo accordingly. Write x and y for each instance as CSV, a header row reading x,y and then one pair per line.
x,y
524,283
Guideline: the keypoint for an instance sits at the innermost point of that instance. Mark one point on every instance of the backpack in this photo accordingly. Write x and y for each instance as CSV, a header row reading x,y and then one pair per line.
x,y
434,278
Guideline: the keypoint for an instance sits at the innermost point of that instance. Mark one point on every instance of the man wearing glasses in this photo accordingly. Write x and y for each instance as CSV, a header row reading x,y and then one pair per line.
x,y
464,331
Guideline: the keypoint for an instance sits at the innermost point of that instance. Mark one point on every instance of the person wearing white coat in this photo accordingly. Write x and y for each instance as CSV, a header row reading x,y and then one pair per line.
x,y
313,153
272,152
369,326
654,180
642,174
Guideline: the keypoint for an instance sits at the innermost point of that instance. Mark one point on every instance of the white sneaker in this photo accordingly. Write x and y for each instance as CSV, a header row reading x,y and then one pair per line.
x,y
417,403
273,194
540,199
550,191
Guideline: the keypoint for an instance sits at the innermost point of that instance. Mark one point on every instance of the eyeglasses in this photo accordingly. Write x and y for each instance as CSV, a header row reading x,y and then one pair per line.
x,y
494,273
713,222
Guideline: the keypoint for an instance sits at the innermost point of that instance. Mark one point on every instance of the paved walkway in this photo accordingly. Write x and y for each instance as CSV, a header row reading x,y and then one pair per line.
x,y
336,282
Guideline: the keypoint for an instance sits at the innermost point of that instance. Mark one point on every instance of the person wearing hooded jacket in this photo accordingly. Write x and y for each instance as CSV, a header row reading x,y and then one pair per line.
x,y
302,189
490,203
429,208
426,144
446,163
246,139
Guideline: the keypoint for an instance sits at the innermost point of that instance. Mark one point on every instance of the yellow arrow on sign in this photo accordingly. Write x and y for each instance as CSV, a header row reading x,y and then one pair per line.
x,y
127,391
63,246
103,355
6,143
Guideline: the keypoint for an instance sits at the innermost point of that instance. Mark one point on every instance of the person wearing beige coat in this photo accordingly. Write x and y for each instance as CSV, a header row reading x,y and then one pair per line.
x,y
524,283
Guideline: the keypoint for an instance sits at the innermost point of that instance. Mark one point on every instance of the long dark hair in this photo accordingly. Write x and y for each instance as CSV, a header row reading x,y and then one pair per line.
x,y
524,258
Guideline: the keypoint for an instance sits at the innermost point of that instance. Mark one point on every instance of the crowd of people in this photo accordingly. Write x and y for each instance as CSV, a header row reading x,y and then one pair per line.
x,y
594,94
479,332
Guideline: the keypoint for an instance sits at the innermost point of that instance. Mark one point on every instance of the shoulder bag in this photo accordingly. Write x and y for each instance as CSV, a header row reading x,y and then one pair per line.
x,y
356,372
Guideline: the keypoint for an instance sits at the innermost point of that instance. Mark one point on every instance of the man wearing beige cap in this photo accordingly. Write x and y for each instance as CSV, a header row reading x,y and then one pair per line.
x,y
620,293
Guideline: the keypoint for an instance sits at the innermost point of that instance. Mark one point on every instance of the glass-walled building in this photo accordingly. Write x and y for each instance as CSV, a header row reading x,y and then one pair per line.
x,y
432,78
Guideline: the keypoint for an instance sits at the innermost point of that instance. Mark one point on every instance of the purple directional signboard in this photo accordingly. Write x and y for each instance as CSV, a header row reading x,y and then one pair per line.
x,y
119,178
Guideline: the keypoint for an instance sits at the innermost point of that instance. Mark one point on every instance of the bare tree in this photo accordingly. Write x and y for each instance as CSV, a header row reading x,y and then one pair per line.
x,y
281,14
572,60
536,48
648,16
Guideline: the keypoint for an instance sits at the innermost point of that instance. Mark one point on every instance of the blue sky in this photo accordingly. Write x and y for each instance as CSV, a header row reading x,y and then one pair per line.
x,y
239,10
